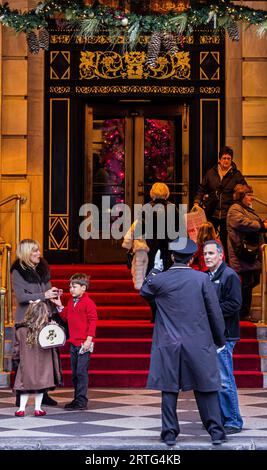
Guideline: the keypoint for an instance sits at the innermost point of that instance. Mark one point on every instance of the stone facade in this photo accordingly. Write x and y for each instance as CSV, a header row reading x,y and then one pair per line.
x,y
21,149
22,136
246,106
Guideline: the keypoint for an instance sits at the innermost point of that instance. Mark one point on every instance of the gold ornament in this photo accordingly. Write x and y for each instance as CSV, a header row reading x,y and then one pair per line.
x,y
165,6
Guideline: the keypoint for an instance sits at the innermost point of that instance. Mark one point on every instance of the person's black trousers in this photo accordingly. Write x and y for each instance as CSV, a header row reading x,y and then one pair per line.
x,y
208,407
220,225
249,280
79,367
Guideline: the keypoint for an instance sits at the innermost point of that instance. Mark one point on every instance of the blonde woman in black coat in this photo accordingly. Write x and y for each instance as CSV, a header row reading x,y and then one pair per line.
x,y
31,281
244,224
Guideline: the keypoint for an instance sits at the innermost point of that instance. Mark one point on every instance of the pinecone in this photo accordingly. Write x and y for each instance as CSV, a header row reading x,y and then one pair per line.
x,y
44,39
233,31
153,49
33,43
169,43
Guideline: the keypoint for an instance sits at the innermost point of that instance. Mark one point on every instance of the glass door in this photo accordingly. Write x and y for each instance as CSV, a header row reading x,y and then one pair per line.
x,y
127,150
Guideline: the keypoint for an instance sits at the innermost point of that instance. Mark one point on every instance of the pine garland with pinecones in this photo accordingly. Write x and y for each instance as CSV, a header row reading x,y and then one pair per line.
x,y
44,39
33,42
153,49
233,31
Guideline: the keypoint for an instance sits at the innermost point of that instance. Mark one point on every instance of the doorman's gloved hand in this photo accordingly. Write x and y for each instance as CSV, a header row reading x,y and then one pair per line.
x,y
158,263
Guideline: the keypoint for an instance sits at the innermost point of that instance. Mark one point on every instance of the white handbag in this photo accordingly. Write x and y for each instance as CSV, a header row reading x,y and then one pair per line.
x,y
51,336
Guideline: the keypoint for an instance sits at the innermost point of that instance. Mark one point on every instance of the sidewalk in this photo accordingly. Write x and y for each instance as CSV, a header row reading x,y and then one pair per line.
x,y
124,419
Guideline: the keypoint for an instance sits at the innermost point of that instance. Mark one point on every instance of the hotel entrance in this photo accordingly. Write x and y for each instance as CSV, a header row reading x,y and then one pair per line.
x,y
129,146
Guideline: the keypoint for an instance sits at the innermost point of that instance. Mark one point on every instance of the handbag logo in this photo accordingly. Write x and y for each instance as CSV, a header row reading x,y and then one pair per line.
x,y
51,336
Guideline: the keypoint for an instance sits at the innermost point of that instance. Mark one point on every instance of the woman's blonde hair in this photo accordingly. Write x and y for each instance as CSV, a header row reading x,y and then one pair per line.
x,y
159,191
206,232
24,250
36,316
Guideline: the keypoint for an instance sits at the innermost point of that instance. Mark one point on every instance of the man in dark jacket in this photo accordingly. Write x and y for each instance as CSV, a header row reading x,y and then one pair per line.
x,y
188,325
228,288
215,193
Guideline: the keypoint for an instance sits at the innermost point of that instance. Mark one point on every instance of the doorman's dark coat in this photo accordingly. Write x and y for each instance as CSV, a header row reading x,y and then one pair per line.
x,y
188,324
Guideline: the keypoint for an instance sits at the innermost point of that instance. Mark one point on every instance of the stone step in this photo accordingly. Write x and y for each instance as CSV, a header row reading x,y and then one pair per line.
x,y
262,347
262,332
4,379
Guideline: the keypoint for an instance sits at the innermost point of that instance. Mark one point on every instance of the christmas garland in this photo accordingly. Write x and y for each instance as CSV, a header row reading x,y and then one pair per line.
x,y
90,20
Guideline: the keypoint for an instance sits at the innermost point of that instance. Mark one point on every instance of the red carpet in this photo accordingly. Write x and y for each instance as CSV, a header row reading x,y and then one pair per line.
x,y
123,342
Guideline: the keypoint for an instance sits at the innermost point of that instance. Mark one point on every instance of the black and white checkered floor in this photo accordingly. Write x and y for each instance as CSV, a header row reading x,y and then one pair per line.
x,y
124,414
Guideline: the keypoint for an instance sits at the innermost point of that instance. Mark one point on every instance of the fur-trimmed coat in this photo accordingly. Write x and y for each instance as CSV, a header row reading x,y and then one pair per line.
x,y
140,259
243,222
29,284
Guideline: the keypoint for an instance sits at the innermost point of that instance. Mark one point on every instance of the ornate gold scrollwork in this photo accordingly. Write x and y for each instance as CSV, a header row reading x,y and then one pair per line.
x,y
210,90
209,39
111,65
59,89
143,40
170,90
59,39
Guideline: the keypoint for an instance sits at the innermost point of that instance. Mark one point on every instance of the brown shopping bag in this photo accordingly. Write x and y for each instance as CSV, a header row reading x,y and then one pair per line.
x,y
194,219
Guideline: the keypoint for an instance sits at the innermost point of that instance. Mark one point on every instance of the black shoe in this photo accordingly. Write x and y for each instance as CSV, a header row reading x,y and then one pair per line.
x,y
48,401
217,442
231,430
169,439
69,405
75,406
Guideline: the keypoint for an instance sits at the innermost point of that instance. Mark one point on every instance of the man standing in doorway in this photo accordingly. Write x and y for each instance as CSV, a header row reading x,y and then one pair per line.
x,y
228,288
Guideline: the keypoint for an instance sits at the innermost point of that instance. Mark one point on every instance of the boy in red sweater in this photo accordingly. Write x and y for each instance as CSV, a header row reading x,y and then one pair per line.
x,y
81,316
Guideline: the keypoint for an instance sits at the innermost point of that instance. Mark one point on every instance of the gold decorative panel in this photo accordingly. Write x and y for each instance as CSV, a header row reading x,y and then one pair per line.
x,y
210,90
100,39
60,65
210,65
59,39
60,90
106,90
206,39
59,233
132,65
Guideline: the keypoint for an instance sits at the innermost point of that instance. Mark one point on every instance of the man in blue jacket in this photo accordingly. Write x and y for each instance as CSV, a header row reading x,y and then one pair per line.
x,y
228,288
188,325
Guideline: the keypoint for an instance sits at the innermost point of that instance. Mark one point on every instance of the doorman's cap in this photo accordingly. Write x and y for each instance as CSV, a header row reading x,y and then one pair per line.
x,y
183,246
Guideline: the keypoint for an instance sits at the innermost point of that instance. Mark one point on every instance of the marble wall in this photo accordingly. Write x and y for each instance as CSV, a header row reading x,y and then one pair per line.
x,y
21,145
246,105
